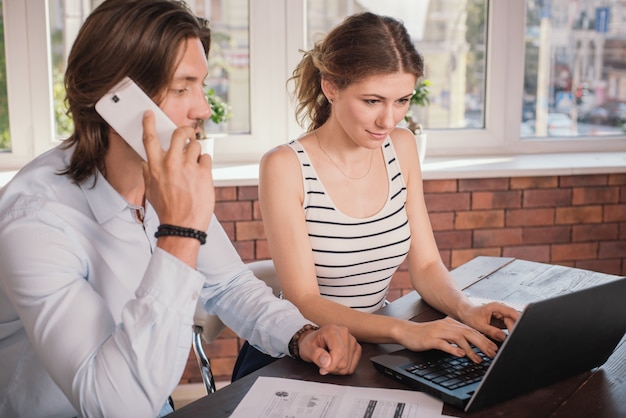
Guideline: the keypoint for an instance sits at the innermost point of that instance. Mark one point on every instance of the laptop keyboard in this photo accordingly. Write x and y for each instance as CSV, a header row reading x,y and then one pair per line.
x,y
452,372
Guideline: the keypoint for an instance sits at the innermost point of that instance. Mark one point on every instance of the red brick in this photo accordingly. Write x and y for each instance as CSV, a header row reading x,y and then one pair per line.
x,y
229,333
191,373
496,200
617,178
479,219
401,280
578,215
546,198
547,234
483,184
596,232
262,250
404,266
229,228
595,195
221,347
442,221
248,193
614,213
446,257
612,249
439,186
222,367
453,239
622,231
256,210
584,180
612,266
393,294
526,183
245,249
445,202
564,263
223,194
459,257
622,194
498,237
249,230
578,251
529,217
538,253
233,211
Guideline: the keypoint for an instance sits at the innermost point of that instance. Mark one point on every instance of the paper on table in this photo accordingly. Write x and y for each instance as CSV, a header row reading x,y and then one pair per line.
x,y
273,397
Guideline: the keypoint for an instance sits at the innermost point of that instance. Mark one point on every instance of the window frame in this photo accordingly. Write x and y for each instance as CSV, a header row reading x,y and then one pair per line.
x,y
277,34
29,82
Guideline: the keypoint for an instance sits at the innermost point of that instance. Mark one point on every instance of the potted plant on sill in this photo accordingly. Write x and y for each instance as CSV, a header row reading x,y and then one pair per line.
x,y
419,99
215,126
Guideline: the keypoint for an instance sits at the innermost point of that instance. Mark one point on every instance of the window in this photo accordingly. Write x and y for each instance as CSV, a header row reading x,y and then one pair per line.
x,y
473,76
575,72
482,58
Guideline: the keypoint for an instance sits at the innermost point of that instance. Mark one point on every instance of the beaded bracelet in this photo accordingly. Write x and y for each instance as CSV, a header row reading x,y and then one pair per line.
x,y
178,231
294,349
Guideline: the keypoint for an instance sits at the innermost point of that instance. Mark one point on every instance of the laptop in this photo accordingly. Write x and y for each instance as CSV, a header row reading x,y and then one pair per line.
x,y
553,339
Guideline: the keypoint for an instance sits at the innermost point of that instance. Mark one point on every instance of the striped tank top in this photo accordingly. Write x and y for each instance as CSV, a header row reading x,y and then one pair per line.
x,y
355,258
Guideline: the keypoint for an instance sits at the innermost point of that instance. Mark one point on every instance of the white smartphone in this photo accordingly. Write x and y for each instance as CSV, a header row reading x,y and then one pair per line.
x,y
123,108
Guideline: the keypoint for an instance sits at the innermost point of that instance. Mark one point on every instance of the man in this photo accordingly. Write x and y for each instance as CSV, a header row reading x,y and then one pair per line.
x,y
95,311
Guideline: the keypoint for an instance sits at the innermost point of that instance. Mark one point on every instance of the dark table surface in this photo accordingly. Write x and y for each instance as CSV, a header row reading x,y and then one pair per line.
x,y
597,393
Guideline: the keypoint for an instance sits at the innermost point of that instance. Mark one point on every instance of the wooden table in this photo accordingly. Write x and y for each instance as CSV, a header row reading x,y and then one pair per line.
x,y
597,393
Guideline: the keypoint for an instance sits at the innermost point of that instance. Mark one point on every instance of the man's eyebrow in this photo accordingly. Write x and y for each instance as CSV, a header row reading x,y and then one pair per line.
x,y
188,78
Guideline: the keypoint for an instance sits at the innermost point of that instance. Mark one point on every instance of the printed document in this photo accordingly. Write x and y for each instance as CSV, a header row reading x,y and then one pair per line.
x,y
273,397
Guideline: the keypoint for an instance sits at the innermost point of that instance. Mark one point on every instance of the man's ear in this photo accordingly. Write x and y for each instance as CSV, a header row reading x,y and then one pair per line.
x,y
329,89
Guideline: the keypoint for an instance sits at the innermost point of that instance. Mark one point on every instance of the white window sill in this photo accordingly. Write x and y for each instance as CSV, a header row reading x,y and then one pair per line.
x,y
438,168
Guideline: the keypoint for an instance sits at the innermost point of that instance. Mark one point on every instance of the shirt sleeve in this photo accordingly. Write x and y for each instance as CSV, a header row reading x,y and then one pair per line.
x,y
243,302
103,365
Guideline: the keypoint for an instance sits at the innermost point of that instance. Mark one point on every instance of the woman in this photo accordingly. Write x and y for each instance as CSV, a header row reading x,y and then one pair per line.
x,y
343,205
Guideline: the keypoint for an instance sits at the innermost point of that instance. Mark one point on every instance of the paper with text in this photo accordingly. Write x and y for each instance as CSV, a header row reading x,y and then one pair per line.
x,y
273,397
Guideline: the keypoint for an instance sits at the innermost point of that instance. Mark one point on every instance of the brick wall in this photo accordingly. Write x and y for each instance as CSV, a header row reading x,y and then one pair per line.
x,y
577,221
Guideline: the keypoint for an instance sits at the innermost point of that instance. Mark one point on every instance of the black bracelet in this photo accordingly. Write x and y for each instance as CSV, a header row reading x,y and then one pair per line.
x,y
294,348
165,230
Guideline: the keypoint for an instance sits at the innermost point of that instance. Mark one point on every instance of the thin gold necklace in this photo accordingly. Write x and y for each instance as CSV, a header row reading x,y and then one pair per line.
x,y
337,165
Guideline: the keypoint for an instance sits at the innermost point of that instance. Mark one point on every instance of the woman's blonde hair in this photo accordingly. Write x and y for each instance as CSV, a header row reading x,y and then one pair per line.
x,y
363,45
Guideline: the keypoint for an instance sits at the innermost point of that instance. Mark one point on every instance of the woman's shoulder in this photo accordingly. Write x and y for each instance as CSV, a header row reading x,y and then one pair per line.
x,y
281,158
401,137
405,147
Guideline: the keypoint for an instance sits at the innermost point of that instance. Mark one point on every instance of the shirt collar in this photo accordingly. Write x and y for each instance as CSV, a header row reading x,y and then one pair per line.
x,y
105,202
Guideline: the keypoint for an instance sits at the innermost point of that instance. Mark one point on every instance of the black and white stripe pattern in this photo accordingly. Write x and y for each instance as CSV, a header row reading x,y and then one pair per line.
x,y
355,258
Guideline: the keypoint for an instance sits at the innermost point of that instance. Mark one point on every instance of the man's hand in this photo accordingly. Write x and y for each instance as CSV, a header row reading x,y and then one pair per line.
x,y
179,185
332,348
179,182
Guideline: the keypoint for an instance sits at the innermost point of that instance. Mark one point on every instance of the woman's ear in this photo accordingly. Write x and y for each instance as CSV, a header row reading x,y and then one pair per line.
x,y
329,89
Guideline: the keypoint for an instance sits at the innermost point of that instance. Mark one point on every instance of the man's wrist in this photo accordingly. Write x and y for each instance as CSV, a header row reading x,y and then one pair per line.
x,y
294,343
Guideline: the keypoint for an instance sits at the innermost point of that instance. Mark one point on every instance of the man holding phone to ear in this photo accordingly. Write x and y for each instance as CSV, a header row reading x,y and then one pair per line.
x,y
102,259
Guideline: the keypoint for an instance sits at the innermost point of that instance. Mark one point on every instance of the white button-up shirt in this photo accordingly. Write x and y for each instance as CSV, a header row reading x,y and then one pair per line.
x,y
95,320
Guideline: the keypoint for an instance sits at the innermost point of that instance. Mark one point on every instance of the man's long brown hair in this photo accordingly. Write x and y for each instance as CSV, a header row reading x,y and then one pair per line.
x,y
135,38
